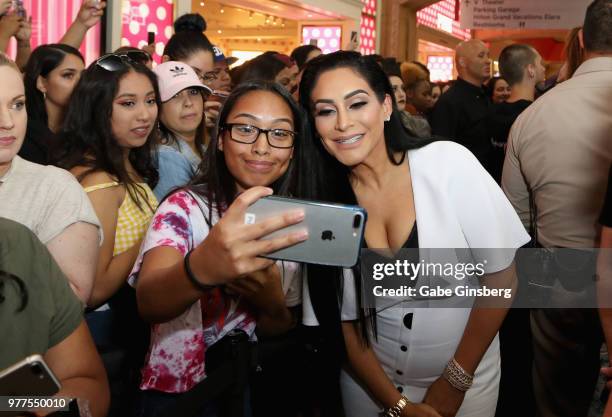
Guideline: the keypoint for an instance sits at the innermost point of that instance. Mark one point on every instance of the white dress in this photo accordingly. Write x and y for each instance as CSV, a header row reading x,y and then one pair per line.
x,y
458,205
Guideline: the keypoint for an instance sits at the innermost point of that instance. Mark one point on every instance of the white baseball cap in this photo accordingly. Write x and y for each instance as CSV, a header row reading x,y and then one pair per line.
x,y
174,76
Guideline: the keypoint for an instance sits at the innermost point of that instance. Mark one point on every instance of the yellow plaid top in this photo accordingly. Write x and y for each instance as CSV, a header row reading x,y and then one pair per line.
x,y
132,222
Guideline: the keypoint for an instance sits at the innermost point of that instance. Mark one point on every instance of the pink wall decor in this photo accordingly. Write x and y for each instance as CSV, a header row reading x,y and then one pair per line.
x,y
328,37
51,19
443,16
368,27
440,67
141,16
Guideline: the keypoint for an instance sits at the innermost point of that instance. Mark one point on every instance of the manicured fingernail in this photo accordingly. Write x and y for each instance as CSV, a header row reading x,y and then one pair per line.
x,y
302,235
298,215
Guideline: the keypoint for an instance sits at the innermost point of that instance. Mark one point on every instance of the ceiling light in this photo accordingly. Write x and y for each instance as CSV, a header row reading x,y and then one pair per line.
x,y
201,4
309,15
251,15
219,31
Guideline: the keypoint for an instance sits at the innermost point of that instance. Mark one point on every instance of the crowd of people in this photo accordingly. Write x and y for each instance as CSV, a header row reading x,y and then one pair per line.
x,y
125,260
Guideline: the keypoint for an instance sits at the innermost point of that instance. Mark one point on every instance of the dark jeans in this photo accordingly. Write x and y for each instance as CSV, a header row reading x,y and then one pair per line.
x,y
151,403
277,387
516,388
121,339
566,360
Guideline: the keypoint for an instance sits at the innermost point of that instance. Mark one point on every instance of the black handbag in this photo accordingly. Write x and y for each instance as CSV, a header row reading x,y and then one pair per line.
x,y
539,267
228,363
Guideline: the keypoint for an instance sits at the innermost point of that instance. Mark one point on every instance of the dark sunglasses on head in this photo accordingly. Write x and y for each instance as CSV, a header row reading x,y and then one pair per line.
x,y
115,62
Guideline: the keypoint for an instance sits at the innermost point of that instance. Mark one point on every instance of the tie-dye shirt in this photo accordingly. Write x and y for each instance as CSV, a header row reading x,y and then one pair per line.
x,y
175,361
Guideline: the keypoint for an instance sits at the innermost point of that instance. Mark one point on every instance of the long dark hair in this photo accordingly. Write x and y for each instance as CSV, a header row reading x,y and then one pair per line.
x,y
43,60
87,139
300,54
327,179
215,183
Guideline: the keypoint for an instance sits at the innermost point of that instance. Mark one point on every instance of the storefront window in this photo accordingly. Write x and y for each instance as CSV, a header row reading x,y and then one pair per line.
x,y
138,18
51,19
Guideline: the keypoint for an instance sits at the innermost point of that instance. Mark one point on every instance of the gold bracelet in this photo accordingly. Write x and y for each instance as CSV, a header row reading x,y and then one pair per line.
x,y
457,376
396,410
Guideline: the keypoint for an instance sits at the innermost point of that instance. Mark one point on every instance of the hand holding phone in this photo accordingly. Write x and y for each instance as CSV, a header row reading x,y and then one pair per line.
x,y
219,96
335,230
29,377
212,107
232,249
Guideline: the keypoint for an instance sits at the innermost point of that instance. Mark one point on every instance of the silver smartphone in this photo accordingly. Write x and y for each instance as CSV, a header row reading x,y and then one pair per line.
x,y
335,231
29,377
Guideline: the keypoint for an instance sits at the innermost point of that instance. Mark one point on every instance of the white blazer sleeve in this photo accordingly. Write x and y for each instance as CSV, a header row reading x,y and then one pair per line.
x,y
485,215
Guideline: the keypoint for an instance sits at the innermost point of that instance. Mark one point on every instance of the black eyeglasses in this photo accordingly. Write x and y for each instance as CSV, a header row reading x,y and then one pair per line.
x,y
248,134
115,62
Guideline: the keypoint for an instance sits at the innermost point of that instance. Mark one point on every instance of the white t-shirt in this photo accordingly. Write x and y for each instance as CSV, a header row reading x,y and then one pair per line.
x,y
46,199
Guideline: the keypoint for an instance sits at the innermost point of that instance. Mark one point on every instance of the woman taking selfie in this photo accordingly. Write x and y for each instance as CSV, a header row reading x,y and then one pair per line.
x,y
199,275
444,360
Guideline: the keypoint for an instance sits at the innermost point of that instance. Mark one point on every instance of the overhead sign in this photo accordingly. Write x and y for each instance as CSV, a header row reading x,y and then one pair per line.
x,y
522,14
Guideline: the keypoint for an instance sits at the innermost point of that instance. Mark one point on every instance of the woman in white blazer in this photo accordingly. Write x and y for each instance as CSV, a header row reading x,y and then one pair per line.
x,y
431,194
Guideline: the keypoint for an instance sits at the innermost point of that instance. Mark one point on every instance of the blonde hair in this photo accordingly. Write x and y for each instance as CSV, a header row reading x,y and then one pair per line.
x,y
412,74
8,62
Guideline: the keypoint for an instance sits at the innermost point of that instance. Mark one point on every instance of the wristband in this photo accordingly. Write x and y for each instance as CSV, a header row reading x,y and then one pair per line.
x,y
192,278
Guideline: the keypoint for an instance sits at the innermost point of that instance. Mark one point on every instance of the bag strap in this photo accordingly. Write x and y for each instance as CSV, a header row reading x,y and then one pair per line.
x,y
533,218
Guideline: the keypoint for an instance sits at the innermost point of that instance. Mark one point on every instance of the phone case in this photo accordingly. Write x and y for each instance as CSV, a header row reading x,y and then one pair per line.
x,y
29,377
335,231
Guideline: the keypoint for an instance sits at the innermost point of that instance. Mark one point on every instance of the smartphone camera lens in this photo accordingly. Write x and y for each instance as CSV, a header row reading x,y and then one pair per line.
x,y
356,221
37,370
